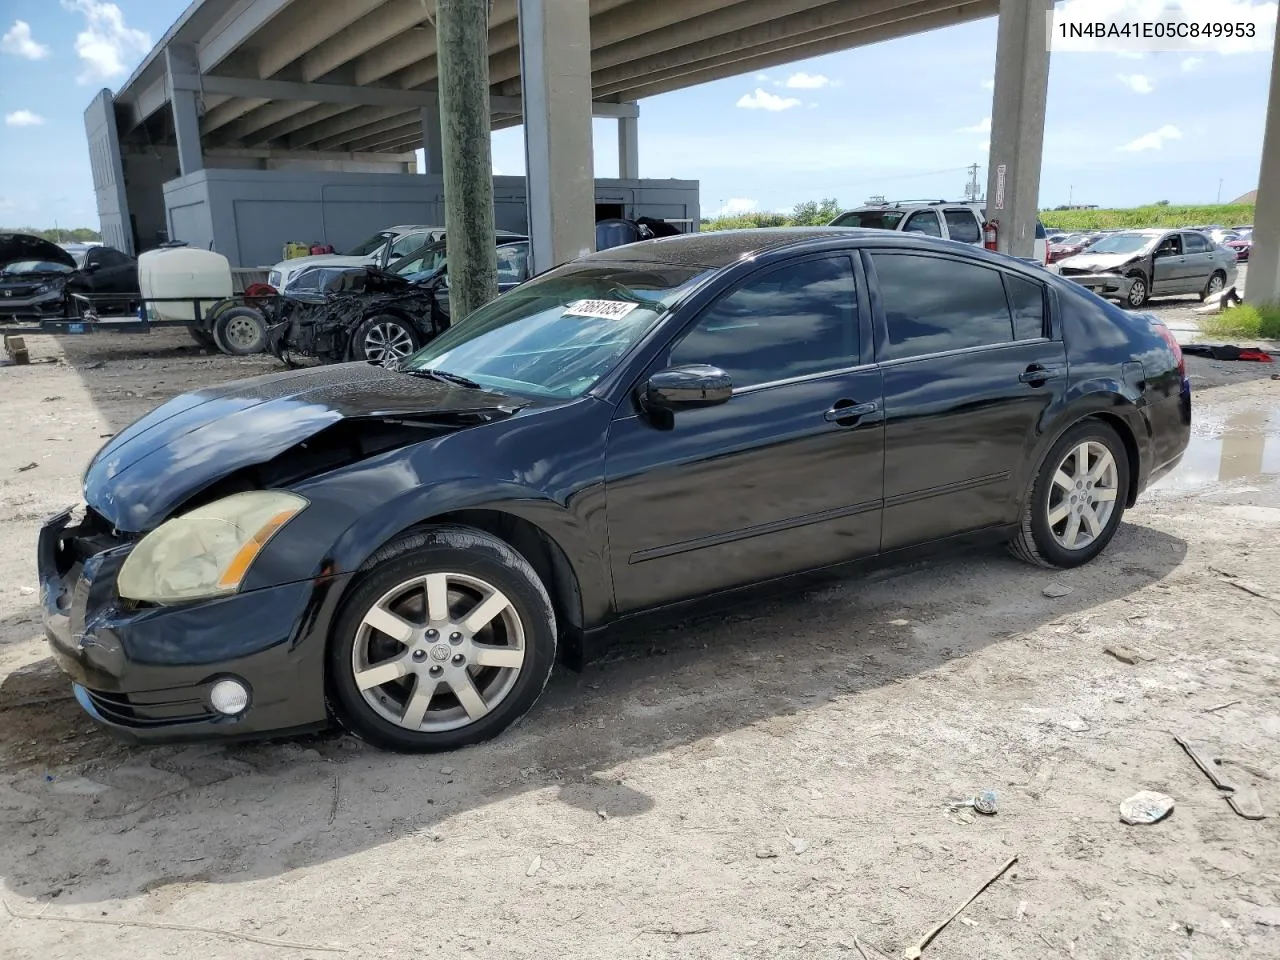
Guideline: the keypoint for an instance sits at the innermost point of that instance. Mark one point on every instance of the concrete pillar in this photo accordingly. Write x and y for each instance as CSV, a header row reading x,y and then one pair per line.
x,y
629,148
1017,123
1264,258
183,80
432,145
462,44
555,77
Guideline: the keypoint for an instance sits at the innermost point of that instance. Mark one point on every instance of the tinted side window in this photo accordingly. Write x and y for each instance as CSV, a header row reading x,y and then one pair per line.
x,y
1195,243
923,221
1027,299
963,226
513,263
932,305
791,321
112,258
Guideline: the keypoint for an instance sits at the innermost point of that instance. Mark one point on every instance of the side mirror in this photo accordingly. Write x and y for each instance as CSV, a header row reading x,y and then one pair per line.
x,y
687,388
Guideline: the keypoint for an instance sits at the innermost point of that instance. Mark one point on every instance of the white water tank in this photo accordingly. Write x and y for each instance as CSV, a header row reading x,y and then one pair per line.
x,y
186,272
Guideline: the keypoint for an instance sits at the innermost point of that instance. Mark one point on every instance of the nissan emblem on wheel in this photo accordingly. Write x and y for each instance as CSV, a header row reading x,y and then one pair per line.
x,y
407,551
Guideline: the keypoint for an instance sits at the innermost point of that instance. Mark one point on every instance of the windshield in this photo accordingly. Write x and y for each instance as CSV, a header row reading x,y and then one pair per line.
x,y
557,335
35,266
370,246
878,219
1123,243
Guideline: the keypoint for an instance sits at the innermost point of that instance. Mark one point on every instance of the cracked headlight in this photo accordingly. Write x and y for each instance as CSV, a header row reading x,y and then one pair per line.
x,y
207,552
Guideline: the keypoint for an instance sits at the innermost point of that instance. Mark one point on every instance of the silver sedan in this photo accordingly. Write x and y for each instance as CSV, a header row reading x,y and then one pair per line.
x,y
1136,265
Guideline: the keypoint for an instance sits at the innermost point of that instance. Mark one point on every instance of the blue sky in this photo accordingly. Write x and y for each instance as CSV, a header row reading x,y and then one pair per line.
x,y
902,118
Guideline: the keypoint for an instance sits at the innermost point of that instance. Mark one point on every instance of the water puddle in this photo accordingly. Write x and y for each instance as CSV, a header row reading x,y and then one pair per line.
x,y
1227,450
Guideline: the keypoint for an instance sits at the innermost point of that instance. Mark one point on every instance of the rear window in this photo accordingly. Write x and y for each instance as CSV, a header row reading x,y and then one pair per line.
x,y
874,219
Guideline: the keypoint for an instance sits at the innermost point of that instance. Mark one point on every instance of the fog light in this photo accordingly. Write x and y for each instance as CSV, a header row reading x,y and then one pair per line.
x,y
229,697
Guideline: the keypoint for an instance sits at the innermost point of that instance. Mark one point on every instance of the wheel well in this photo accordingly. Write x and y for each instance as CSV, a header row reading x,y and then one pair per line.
x,y
1130,448
546,557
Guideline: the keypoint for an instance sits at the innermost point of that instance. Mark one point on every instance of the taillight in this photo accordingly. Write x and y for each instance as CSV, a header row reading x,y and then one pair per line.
x,y
1176,347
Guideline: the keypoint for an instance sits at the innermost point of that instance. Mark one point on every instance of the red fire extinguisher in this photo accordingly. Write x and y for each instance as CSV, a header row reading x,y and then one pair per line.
x,y
989,234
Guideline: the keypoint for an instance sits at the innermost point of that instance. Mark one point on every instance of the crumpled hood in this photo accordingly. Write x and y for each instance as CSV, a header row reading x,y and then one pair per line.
x,y
183,446
1098,261
16,247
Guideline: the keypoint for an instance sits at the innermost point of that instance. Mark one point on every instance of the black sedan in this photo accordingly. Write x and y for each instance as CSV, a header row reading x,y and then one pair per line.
x,y
38,278
410,551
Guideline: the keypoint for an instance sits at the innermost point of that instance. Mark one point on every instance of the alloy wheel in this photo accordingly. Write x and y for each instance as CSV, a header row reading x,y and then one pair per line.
x,y
1216,283
438,652
387,341
1083,495
1138,292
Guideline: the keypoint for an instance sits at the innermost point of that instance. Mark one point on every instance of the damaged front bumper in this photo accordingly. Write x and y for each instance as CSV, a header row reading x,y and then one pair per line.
x,y
145,672
1112,286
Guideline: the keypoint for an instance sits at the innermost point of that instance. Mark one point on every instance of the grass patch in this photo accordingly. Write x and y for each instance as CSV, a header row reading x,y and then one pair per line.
x,y
1247,321
1153,215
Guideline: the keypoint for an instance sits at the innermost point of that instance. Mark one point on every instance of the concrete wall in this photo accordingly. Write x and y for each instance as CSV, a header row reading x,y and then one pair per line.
x,y
248,215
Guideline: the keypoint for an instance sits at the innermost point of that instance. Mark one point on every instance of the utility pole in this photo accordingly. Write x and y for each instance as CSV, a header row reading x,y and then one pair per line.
x,y
971,188
1219,190
1071,195
462,54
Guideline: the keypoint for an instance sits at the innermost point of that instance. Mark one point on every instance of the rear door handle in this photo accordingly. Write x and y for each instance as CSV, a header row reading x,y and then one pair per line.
x,y
1038,374
850,411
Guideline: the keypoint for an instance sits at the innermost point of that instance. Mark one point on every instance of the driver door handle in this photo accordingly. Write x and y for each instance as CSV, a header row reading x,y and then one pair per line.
x,y
1036,373
847,410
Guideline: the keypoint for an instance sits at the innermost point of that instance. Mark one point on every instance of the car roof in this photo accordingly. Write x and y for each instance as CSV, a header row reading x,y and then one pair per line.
x,y
409,228
720,248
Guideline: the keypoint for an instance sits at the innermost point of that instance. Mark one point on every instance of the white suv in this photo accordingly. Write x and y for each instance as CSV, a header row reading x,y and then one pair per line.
x,y
379,250
962,221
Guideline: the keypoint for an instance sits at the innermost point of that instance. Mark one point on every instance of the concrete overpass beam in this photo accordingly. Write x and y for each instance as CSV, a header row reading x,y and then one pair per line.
x,y
629,148
1017,123
182,67
555,57
1264,258
432,145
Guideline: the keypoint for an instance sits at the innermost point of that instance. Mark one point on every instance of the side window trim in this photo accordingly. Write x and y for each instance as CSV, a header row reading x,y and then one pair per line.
x,y
860,303
1005,275
880,323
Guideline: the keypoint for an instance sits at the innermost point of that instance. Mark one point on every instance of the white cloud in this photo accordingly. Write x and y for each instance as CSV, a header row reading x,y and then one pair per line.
x,y
1153,141
1129,54
1136,82
23,118
762,77
1191,63
982,126
18,41
764,100
108,47
988,84
807,81
985,146
737,206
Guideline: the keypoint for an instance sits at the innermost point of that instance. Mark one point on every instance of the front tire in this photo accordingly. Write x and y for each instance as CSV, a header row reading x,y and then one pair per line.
x,y
447,639
1139,293
384,337
1077,499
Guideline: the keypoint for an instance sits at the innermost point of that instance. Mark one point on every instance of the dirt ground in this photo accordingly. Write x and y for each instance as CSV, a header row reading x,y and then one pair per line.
x,y
770,784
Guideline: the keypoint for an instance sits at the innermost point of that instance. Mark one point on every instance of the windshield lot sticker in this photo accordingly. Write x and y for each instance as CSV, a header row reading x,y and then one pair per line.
x,y
601,309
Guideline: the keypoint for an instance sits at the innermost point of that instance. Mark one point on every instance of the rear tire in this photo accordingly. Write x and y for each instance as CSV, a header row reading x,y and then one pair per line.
x,y
1215,285
411,669
240,331
1077,499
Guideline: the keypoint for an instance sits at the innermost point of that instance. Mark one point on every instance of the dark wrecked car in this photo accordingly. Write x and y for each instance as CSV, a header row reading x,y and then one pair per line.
x,y
340,313
38,278
410,551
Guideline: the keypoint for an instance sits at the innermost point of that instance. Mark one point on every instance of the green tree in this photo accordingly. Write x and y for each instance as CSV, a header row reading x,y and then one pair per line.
x,y
815,213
